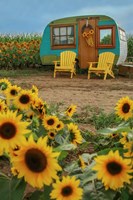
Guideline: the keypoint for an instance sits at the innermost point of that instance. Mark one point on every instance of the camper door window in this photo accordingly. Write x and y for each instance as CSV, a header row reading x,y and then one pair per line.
x,y
63,36
106,37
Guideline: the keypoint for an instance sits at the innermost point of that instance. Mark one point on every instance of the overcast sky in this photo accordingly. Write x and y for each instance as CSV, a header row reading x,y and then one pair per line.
x,y
31,16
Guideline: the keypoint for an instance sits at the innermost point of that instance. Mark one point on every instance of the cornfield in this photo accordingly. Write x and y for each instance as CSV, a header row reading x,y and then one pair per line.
x,y
19,51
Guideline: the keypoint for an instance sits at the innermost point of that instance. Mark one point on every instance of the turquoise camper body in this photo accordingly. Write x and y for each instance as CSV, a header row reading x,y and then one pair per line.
x,y
88,36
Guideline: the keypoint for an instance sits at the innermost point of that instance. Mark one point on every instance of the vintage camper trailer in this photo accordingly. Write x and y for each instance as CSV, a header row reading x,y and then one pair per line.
x,y
88,36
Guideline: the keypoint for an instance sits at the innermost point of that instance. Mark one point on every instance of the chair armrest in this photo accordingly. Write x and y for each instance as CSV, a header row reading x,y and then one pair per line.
x,y
56,62
91,64
74,62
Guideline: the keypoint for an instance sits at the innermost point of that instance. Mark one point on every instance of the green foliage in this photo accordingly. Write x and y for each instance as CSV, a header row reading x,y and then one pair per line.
x,y
11,188
105,120
97,117
130,45
106,39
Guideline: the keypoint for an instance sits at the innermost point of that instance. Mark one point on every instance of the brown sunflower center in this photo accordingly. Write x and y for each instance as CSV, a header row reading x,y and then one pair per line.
x,y
7,130
13,92
52,134
35,160
24,99
50,122
66,191
69,110
114,168
40,110
58,126
126,108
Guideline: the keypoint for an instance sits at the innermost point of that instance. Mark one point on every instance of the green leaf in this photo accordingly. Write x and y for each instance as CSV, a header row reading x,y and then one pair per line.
x,y
106,151
11,188
65,147
63,155
91,193
60,139
72,167
125,195
37,195
118,129
87,157
46,193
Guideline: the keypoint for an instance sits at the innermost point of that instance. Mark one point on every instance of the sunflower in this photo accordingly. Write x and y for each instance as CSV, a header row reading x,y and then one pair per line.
x,y
50,122
113,170
124,108
114,135
24,100
67,189
12,91
81,163
4,84
29,115
52,134
75,135
60,126
37,102
12,130
38,105
129,147
3,106
36,162
34,90
70,110
124,139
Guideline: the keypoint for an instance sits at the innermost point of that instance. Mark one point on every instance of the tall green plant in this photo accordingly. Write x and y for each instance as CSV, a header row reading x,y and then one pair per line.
x,y
130,45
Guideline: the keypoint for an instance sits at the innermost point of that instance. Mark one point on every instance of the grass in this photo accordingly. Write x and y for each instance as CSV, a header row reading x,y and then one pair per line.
x,y
41,70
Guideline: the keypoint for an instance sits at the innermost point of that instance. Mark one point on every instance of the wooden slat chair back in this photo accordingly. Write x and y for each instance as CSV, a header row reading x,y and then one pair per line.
x,y
66,63
104,65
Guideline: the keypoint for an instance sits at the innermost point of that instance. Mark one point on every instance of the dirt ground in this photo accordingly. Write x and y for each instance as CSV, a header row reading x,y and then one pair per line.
x,y
79,91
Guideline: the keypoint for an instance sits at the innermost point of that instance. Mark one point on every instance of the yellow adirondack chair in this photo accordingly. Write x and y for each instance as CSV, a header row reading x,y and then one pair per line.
x,y
103,66
66,63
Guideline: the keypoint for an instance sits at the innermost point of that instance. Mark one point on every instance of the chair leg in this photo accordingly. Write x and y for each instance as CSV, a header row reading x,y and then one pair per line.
x,y
54,73
105,76
71,74
89,75
74,73
112,74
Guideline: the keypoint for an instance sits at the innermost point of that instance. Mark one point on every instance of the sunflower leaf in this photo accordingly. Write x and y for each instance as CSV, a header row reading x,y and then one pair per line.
x,y
11,188
91,193
37,195
63,155
46,193
118,129
65,147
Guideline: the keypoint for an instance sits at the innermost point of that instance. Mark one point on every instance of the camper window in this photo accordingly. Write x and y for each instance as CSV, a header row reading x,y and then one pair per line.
x,y
63,36
106,36
122,35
